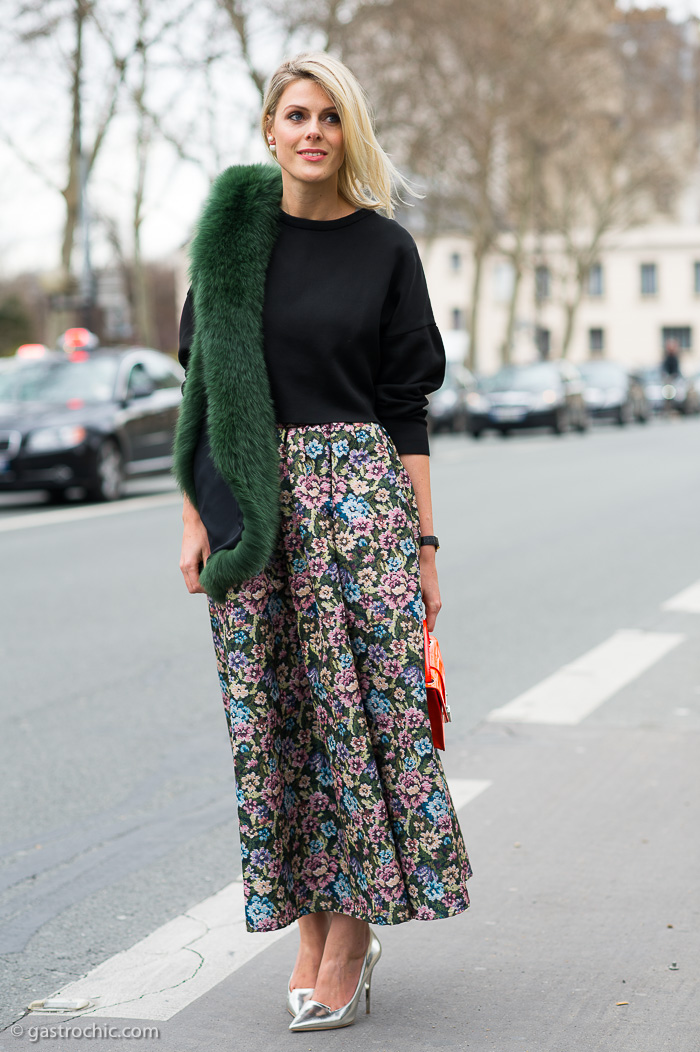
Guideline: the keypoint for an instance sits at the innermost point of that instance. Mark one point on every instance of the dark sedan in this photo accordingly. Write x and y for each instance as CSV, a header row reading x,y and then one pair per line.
x,y
542,394
87,420
614,394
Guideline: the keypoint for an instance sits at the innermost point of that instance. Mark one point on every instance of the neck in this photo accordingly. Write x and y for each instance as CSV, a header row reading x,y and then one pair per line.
x,y
319,201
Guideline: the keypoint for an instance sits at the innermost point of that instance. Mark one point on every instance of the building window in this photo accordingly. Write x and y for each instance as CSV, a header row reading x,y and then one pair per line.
x,y
596,341
682,334
649,279
696,284
595,280
457,318
542,283
543,341
455,262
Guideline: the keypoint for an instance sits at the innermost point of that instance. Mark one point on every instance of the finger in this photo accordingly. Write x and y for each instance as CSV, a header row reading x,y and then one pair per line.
x,y
191,575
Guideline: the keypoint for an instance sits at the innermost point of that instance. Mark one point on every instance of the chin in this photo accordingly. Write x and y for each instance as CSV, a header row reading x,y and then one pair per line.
x,y
320,175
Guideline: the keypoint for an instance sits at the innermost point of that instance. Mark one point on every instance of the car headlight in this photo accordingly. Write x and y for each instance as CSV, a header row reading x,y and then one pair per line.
x,y
543,399
52,439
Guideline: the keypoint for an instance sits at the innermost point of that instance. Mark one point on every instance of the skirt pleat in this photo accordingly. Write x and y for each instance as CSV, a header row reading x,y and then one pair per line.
x,y
342,800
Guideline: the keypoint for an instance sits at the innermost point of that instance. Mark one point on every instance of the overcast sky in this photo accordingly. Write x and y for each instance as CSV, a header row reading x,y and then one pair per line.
x,y
31,215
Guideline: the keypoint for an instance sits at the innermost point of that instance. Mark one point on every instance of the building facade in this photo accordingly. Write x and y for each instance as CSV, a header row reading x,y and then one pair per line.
x,y
643,289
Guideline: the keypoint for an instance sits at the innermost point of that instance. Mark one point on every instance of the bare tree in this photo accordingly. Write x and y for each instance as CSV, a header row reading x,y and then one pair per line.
x,y
63,23
628,158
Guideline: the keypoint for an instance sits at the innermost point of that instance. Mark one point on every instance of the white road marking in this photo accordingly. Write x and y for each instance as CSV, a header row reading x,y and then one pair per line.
x,y
49,518
687,601
464,790
572,693
177,963
183,959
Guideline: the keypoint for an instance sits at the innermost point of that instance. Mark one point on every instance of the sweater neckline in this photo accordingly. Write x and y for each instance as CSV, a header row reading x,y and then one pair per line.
x,y
324,224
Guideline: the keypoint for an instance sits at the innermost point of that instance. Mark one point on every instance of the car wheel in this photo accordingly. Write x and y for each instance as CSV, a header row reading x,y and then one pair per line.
x,y
504,432
476,433
57,496
109,473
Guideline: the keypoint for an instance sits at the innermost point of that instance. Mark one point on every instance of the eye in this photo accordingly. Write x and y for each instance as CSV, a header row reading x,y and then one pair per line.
x,y
294,115
333,118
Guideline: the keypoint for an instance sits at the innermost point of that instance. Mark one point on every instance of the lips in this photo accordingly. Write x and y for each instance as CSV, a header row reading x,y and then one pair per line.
x,y
312,153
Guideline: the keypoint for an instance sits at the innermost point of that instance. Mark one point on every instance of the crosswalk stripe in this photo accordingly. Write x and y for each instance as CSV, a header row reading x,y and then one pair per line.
x,y
687,601
177,963
574,691
464,790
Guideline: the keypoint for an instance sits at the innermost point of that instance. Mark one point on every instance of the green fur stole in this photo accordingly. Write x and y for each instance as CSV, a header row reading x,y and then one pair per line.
x,y
227,382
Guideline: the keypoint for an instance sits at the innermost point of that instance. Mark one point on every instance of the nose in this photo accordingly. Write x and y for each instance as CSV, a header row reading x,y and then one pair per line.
x,y
314,129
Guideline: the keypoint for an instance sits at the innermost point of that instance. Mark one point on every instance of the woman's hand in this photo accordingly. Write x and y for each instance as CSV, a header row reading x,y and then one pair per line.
x,y
195,547
429,586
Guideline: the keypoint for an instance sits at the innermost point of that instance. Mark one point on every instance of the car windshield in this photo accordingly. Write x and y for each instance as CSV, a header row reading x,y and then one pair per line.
x,y
91,380
602,372
522,378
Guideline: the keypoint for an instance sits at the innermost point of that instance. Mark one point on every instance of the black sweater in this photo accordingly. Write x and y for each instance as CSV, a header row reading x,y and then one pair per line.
x,y
349,334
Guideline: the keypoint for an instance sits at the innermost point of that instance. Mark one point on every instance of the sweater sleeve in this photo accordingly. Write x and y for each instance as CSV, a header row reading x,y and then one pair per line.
x,y
186,332
412,357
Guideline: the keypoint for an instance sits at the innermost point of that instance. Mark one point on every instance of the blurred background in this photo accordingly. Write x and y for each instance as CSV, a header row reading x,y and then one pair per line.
x,y
556,143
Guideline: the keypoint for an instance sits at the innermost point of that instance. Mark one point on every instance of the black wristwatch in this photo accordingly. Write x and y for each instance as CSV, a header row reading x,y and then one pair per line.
x,y
430,540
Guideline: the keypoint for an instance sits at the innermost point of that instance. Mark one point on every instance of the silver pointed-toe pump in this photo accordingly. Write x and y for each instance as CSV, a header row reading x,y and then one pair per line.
x,y
313,1015
296,998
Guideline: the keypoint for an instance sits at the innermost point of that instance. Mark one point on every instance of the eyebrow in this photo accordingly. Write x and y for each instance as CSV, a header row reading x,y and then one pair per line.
x,y
326,109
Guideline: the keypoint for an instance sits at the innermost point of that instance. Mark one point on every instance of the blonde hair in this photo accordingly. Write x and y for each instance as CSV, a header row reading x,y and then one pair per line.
x,y
366,178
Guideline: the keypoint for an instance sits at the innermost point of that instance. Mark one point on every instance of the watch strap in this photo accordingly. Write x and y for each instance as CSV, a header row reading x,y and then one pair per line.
x,y
424,541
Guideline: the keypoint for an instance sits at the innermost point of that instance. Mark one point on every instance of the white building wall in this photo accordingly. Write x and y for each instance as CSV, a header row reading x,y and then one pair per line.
x,y
632,323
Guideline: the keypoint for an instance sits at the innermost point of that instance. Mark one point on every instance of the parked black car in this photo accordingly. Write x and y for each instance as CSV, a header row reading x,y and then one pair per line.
x,y
541,394
613,393
666,393
87,419
447,407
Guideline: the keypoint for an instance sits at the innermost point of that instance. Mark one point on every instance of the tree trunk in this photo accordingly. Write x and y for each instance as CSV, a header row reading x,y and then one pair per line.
x,y
143,140
71,193
473,349
570,311
507,349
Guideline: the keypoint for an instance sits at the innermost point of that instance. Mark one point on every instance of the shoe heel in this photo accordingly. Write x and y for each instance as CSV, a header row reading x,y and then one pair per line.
x,y
367,986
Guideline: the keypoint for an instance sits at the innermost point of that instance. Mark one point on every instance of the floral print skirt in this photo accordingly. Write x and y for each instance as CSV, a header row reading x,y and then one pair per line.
x,y
342,800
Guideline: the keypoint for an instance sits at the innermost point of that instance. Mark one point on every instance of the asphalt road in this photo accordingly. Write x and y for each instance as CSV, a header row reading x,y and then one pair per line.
x,y
118,808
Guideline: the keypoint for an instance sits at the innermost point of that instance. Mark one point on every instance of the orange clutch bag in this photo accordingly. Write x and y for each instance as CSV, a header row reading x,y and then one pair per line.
x,y
438,709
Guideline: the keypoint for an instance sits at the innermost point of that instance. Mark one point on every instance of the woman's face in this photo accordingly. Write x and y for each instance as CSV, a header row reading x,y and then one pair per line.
x,y
307,134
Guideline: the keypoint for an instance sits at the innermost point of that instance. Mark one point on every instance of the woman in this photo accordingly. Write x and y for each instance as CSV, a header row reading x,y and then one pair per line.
x,y
314,347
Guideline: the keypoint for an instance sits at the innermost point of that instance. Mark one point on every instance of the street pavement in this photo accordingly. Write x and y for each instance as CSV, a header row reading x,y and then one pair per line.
x,y
570,573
